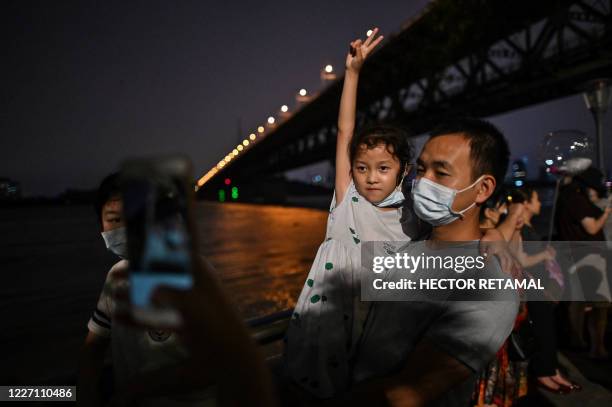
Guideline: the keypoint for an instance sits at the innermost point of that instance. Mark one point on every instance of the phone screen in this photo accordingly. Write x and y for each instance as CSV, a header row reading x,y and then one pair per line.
x,y
155,195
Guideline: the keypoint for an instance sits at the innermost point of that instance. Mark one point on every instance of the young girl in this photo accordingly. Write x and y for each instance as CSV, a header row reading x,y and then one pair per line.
x,y
504,381
367,206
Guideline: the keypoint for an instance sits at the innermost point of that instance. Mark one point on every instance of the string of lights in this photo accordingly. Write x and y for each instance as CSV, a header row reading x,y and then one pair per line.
x,y
302,97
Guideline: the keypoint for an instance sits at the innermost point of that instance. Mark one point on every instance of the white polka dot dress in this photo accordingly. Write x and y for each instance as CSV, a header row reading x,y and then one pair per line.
x,y
329,315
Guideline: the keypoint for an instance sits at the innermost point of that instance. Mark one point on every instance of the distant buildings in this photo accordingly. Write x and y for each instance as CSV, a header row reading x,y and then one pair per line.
x,y
9,190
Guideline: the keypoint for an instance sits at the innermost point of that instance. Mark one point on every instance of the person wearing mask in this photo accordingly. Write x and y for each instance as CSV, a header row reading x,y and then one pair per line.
x,y
426,353
146,360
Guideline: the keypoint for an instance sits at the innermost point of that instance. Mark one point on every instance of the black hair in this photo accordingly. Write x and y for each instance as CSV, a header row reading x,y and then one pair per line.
x,y
489,149
591,178
394,138
522,195
108,189
498,198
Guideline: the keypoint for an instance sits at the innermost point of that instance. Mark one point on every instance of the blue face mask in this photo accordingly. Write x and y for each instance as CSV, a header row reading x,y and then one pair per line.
x,y
116,241
395,198
433,202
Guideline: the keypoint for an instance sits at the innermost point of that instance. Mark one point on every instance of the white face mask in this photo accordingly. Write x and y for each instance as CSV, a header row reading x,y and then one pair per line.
x,y
116,241
395,198
433,202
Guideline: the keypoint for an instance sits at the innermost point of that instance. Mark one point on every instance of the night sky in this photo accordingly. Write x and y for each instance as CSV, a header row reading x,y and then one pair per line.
x,y
87,84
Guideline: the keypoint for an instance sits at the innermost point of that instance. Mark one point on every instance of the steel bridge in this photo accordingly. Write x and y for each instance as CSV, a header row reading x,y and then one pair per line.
x,y
458,57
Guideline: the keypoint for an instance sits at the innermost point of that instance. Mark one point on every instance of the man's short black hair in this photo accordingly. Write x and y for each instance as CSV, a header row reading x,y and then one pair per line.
x,y
489,149
109,188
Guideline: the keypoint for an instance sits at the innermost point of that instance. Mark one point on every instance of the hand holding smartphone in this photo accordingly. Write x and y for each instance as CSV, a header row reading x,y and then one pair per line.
x,y
157,194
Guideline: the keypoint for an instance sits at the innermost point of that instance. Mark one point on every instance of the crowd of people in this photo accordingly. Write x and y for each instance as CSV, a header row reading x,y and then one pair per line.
x,y
340,349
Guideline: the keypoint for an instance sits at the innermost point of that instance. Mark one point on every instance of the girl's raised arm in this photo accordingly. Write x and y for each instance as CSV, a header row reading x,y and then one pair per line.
x,y
359,51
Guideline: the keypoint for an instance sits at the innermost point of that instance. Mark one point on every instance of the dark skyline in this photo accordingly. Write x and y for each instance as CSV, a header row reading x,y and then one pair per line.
x,y
88,84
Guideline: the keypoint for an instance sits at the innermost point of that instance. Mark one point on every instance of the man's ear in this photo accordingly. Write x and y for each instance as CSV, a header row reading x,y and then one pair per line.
x,y
486,188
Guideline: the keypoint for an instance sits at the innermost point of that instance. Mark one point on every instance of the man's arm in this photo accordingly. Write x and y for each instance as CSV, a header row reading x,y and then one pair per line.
x,y
91,363
594,225
427,374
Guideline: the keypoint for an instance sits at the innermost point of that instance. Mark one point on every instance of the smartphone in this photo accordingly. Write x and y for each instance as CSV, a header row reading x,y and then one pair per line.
x,y
157,195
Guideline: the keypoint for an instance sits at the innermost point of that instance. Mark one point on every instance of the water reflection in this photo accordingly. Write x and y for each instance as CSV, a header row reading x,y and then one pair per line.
x,y
262,253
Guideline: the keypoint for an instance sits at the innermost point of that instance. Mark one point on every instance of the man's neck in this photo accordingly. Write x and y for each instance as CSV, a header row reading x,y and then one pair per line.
x,y
461,230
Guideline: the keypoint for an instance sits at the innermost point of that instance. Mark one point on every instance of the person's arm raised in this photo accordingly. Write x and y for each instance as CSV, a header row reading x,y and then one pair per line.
x,y
359,51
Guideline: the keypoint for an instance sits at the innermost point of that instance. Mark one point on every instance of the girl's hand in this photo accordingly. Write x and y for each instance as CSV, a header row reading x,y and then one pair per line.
x,y
515,214
551,253
359,51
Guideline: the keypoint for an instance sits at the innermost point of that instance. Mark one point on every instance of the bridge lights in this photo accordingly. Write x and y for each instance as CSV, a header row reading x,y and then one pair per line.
x,y
284,112
252,136
327,73
302,96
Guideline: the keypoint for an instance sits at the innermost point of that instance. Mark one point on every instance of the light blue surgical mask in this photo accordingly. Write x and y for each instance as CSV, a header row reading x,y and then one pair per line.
x,y
395,198
116,241
433,202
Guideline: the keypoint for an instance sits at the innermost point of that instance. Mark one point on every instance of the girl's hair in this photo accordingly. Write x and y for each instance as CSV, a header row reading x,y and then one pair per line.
x,y
522,195
394,138
498,198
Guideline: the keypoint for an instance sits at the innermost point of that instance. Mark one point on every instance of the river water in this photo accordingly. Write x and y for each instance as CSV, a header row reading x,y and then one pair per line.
x,y
53,263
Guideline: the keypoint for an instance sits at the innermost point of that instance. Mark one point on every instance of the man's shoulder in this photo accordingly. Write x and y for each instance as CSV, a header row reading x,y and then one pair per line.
x,y
577,199
121,266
